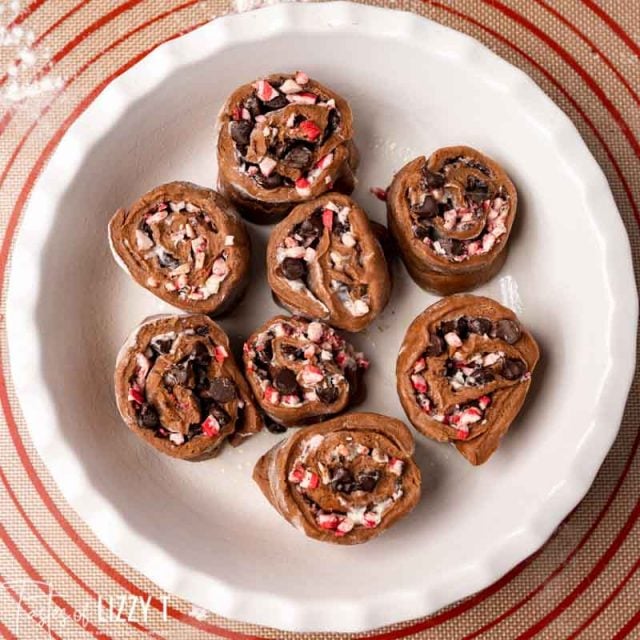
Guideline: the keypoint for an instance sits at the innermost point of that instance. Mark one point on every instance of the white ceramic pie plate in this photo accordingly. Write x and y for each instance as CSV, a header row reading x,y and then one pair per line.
x,y
203,531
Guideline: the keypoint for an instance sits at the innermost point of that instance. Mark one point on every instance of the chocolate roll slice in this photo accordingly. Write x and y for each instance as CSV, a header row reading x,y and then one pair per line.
x,y
186,245
324,261
300,370
463,372
179,388
451,215
345,480
283,140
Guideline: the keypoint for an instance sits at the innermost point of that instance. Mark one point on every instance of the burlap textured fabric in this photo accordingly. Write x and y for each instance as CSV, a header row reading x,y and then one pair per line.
x,y
583,583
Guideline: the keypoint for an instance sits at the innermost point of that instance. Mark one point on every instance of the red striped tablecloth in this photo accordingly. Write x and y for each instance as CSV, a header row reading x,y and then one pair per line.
x,y
583,583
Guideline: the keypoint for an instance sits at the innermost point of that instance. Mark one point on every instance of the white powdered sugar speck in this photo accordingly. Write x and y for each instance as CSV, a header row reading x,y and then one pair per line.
x,y
26,64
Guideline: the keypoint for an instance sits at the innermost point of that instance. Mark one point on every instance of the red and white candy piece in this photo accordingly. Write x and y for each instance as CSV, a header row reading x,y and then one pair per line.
x,y
211,426
395,466
221,353
265,91
310,480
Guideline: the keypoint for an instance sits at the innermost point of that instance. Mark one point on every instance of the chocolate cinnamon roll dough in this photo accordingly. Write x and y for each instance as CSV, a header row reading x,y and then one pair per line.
x,y
343,481
451,215
178,387
283,140
300,371
324,261
186,245
463,372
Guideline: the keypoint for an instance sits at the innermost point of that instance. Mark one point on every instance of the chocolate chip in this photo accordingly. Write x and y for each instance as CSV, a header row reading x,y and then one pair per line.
x,y
429,208
252,105
448,326
222,390
333,122
175,375
241,132
161,345
462,328
481,326
293,268
148,416
423,231
343,481
311,227
452,246
327,393
433,180
513,368
265,354
272,181
202,331
200,355
299,157
450,369
482,376
367,480
168,261
284,380
277,103
435,346
507,330
274,427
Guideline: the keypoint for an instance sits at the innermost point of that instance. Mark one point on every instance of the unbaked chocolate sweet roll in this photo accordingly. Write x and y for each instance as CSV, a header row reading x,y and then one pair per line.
x,y
324,261
186,245
463,373
300,370
345,480
451,215
179,389
283,140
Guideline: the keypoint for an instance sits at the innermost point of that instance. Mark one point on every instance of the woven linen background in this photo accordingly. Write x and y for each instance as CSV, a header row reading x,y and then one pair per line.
x,y
583,583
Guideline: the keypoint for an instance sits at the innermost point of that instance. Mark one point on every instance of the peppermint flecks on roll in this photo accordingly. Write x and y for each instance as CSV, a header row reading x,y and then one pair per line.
x,y
186,245
343,481
324,261
300,370
179,389
451,215
284,139
463,372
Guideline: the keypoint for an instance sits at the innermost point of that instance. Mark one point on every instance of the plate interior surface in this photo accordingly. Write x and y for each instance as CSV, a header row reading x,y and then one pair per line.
x,y
203,531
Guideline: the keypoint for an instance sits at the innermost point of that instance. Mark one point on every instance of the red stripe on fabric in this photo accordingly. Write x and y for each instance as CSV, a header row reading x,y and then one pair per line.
x,y
625,632
25,13
57,558
60,602
606,602
597,569
593,47
6,585
571,61
6,633
614,26
46,32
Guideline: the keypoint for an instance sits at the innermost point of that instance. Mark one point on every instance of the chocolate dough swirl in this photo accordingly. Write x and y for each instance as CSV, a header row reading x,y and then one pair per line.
x,y
451,215
179,389
463,373
186,245
343,481
324,261
300,370
283,140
